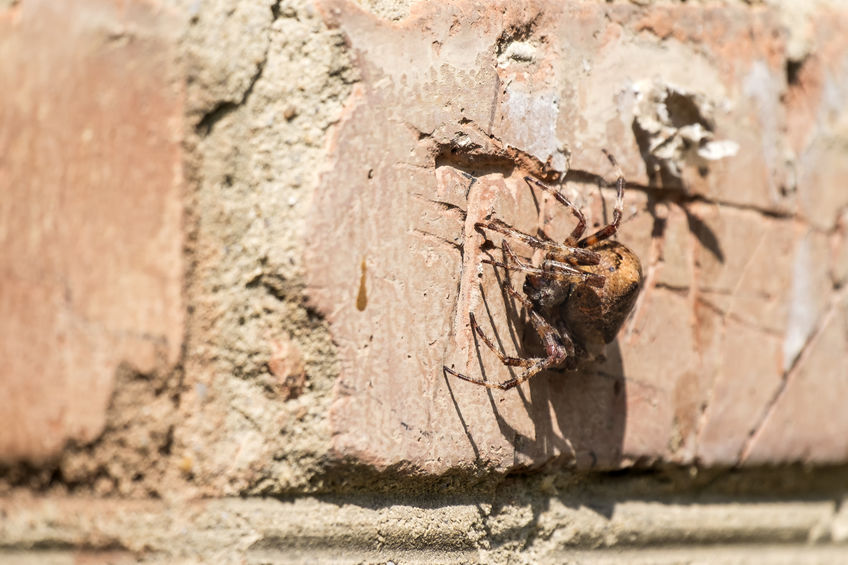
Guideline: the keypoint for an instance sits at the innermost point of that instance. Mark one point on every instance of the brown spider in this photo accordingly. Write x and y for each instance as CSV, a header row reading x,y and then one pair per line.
x,y
576,299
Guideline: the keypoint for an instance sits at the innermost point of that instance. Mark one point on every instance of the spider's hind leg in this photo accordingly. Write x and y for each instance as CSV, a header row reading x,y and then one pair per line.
x,y
557,353
558,346
505,359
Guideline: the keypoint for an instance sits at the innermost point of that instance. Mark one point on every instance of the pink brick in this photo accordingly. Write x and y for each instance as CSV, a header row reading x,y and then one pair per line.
x,y
91,176
806,419
445,99
733,353
818,121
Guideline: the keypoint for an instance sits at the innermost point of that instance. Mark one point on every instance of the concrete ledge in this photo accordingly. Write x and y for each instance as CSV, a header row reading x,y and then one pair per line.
x,y
360,529
714,555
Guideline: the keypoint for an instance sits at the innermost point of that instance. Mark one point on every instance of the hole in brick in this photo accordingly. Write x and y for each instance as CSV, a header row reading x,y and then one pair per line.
x,y
793,71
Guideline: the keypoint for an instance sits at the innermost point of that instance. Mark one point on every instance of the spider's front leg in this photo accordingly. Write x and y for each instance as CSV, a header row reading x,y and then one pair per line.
x,y
609,230
578,230
551,269
572,254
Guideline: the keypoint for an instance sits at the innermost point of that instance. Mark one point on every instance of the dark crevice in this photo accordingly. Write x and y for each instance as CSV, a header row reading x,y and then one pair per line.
x,y
104,462
224,108
278,286
519,32
774,214
168,444
684,111
665,195
793,71
348,481
475,152
474,165
659,173
209,119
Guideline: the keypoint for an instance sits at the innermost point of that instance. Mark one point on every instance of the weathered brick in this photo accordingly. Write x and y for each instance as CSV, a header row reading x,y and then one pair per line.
x,y
91,237
817,119
449,109
805,417
440,131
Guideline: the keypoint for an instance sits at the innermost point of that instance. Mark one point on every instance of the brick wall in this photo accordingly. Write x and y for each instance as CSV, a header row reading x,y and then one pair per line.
x,y
239,248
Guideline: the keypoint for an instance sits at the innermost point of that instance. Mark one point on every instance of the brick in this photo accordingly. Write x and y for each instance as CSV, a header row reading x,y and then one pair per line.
x,y
428,148
743,383
675,267
805,417
91,176
817,118
433,130
735,274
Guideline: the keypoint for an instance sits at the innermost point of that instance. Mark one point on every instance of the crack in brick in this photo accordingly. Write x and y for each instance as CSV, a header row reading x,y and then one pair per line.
x,y
835,303
683,290
225,107
669,196
727,315
444,206
250,420
437,238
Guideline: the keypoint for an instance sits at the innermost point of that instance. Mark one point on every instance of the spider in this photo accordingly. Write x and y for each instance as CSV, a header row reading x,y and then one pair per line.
x,y
579,296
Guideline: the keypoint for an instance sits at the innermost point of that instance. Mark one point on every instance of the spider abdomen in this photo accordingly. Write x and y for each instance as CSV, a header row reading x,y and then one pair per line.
x,y
594,315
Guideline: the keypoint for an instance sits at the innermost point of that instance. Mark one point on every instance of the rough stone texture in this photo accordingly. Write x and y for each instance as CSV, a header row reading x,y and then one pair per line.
x,y
532,528
91,215
457,102
285,334
260,364
406,158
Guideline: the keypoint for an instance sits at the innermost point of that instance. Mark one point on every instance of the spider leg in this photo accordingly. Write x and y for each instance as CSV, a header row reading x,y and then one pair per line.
x,y
578,230
550,265
506,360
540,324
609,230
510,254
543,236
553,339
558,272
576,254
557,346
592,279
538,365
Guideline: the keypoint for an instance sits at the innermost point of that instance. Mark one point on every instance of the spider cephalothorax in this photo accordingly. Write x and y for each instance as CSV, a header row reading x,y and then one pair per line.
x,y
576,299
